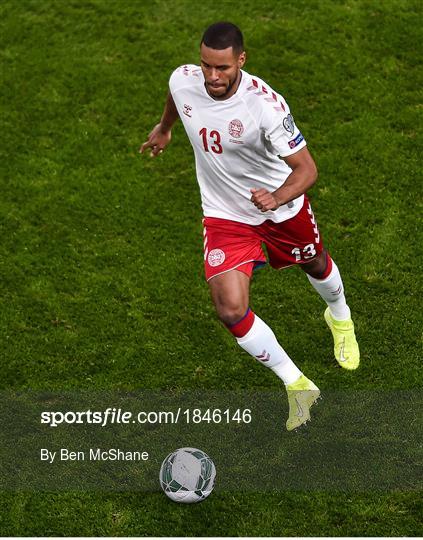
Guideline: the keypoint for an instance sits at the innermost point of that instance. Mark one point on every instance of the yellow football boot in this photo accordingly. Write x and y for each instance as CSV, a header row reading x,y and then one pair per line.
x,y
302,394
345,347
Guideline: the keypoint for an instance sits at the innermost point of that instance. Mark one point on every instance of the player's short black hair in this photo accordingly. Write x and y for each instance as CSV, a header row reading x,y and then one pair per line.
x,y
222,35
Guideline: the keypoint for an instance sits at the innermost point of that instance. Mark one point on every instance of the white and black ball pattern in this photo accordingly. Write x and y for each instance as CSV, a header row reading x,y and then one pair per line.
x,y
187,475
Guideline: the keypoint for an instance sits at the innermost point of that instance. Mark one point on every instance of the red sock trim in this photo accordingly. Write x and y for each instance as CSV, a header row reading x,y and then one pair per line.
x,y
242,327
328,268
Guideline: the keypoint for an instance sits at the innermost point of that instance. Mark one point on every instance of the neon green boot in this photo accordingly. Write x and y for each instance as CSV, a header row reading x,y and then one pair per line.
x,y
302,394
345,348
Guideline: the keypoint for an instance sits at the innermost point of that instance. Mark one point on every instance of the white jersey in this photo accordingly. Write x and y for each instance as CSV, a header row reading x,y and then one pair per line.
x,y
237,143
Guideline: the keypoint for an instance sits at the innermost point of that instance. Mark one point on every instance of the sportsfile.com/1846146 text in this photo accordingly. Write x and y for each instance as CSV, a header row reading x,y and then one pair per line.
x,y
113,415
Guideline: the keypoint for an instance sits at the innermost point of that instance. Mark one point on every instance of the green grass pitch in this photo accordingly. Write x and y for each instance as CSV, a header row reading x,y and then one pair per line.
x,y
101,248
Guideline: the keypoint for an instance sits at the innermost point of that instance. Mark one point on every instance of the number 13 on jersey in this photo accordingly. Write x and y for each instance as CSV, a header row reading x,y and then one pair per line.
x,y
214,135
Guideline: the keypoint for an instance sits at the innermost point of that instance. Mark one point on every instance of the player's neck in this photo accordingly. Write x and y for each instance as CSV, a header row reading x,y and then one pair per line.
x,y
231,91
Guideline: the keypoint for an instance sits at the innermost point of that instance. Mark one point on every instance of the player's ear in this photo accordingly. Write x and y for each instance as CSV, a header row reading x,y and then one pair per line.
x,y
241,59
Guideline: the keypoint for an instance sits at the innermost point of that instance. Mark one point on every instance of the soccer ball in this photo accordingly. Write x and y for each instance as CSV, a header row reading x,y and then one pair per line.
x,y
187,475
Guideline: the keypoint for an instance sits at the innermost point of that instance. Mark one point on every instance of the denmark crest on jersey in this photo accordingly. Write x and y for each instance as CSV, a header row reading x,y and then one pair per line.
x,y
236,129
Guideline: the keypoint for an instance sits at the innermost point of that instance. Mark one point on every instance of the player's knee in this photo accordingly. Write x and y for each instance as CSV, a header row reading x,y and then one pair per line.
x,y
317,267
230,314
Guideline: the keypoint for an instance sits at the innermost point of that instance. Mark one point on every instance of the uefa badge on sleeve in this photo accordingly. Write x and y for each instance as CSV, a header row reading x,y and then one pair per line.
x,y
288,124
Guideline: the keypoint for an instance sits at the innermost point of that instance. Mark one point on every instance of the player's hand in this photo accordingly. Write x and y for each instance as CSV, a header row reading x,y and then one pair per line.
x,y
264,200
157,141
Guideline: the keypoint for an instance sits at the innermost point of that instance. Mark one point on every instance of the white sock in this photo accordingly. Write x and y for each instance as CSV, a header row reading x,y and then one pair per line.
x,y
331,289
261,343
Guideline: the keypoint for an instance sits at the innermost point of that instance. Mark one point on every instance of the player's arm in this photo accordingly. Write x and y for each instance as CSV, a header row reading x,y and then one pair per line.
x,y
302,177
161,134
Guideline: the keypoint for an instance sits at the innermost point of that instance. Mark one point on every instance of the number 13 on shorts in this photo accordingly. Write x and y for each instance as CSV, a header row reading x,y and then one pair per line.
x,y
308,252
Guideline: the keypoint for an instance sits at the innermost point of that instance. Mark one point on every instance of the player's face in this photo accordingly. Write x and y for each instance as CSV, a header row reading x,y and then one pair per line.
x,y
221,69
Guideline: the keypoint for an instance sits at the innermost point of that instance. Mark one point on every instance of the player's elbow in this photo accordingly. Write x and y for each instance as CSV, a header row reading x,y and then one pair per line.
x,y
312,173
309,170
315,173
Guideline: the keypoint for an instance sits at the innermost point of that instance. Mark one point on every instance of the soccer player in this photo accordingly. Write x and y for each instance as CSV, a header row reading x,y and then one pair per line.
x,y
254,169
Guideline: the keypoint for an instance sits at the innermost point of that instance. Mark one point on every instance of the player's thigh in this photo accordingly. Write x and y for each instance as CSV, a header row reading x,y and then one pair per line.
x,y
230,295
229,245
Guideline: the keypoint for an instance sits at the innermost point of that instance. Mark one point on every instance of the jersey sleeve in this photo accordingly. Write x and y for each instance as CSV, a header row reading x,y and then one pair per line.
x,y
183,76
281,134
175,80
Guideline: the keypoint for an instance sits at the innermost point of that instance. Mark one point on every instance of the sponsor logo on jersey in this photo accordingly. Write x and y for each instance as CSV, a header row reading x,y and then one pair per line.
x,y
187,110
236,129
295,142
288,124
216,257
